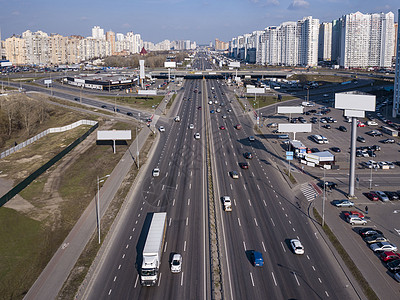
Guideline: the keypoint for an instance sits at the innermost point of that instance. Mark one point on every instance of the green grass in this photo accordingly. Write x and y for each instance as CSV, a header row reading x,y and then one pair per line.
x,y
368,291
169,104
317,77
20,258
262,101
146,102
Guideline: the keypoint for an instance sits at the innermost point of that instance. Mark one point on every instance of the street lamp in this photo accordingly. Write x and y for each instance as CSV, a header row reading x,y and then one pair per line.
x,y
99,180
323,201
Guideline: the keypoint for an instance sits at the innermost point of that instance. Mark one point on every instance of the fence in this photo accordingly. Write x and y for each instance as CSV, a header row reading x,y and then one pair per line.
x,y
44,133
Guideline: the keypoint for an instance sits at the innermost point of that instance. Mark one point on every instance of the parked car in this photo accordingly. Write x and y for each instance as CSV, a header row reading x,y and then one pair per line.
x,y
197,136
342,128
369,231
343,203
353,220
382,196
251,138
176,263
361,139
296,246
238,126
389,255
392,195
353,213
388,141
394,265
375,239
161,128
327,126
313,150
372,196
383,246
335,149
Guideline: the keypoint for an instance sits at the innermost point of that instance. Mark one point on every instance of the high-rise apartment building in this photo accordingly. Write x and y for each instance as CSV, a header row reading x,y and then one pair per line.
x,y
220,45
98,33
15,50
396,96
36,47
308,41
325,42
366,40
110,37
396,36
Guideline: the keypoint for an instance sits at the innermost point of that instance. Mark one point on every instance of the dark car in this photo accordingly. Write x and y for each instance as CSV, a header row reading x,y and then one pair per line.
x,y
388,141
257,259
342,128
369,232
392,195
394,265
375,148
328,184
313,150
327,126
244,165
371,153
76,99
360,139
129,114
104,106
248,155
335,149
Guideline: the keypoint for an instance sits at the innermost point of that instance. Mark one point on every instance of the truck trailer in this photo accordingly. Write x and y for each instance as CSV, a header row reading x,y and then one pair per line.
x,y
152,250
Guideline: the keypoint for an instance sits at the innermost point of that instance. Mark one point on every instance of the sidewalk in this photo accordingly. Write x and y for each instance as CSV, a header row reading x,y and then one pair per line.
x,y
52,278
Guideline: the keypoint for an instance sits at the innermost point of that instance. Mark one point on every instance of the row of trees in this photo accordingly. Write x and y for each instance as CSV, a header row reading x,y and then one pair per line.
x,y
152,60
20,116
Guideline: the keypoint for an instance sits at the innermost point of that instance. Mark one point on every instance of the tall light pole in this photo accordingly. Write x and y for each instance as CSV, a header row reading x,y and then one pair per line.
x,y
137,144
99,180
323,202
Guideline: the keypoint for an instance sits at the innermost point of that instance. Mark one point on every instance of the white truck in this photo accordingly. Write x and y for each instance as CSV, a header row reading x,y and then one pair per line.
x,y
153,249
227,203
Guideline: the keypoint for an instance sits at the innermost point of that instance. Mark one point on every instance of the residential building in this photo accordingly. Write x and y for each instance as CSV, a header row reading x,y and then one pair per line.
x,y
110,37
220,45
308,41
98,33
15,50
335,43
396,96
325,42
36,47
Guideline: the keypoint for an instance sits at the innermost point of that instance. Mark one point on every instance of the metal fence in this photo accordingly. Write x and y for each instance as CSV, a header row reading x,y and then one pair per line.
x,y
44,133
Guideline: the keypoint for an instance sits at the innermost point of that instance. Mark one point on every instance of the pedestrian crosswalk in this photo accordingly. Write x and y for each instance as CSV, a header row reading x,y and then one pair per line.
x,y
309,191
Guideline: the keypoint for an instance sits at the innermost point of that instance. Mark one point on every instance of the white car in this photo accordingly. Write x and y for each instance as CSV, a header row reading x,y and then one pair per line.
x,y
251,138
356,220
297,247
161,128
210,102
176,263
191,126
383,246
156,172
197,136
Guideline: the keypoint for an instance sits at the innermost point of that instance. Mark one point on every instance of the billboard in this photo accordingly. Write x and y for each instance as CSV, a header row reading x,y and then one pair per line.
x,y
147,92
107,135
355,101
169,64
255,90
290,109
290,127
234,64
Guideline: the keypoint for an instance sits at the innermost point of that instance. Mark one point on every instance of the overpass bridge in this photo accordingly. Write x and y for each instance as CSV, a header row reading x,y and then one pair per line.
x,y
220,74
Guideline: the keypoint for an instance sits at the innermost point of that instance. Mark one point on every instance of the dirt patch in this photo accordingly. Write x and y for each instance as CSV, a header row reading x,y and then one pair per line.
x,y
20,204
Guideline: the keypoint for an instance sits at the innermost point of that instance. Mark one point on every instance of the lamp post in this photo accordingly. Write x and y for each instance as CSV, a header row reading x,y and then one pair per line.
x,y
99,180
323,202
137,144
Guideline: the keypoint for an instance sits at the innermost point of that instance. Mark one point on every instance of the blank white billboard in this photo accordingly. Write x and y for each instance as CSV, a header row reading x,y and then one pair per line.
x,y
255,90
290,127
147,92
355,101
290,109
234,64
169,64
107,135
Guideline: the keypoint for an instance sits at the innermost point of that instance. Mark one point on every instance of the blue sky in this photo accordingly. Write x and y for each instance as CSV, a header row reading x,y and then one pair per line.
x,y
156,20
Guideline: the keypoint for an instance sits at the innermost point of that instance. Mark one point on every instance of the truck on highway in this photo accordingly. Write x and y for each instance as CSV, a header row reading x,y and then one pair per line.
x,y
152,250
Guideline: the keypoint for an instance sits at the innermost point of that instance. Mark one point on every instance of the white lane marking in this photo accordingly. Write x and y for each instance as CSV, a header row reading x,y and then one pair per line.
x,y
190,186
294,229
127,246
158,202
298,283
109,292
255,220
245,187
169,163
173,202
308,257
319,279
239,222
273,277
258,187
316,236
252,281
115,278
265,203
226,163
165,246
136,281
326,293
290,222
123,255
182,279
159,280
244,245
272,222
252,174
187,221
166,174
170,219
249,202
119,267
234,202
283,247
265,250
176,186
231,187
184,246
313,268
188,202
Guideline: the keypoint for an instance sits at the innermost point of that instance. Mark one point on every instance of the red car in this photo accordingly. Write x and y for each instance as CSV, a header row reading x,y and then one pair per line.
x,y
353,213
360,124
389,255
238,126
222,127
372,196
244,165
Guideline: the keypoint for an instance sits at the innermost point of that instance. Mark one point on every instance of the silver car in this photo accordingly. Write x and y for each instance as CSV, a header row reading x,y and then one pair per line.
x,y
383,246
382,196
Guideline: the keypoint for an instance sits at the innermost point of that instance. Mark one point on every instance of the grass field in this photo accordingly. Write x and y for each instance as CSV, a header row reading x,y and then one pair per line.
x,y
140,102
262,101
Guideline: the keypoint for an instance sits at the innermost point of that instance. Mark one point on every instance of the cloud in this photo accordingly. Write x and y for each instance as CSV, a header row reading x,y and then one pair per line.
x,y
298,4
273,2
15,13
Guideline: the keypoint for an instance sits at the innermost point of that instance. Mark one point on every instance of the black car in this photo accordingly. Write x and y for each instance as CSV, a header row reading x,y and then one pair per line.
x,y
394,265
392,195
328,184
129,114
76,99
342,128
360,139
313,150
376,148
388,141
244,165
327,126
369,231
104,106
335,149
371,153
248,155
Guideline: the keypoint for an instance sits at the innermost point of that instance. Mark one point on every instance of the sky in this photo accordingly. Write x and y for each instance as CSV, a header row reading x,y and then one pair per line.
x,y
156,20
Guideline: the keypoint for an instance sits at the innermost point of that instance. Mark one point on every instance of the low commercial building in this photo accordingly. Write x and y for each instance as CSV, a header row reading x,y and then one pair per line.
x,y
105,82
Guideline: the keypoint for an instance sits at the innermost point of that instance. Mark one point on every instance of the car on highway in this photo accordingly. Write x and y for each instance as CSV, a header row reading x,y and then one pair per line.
x,y
199,107
296,246
394,265
191,126
156,172
327,126
222,127
238,126
234,174
335,149
343,203
197,136
383,246
104,106
372,123
212,111
77,99
251,138
129,114
382,196
360,139
224,117
372,196
369,231
244,165
389,255
256,258
354,220
176,263
388,141
375,239
248,155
